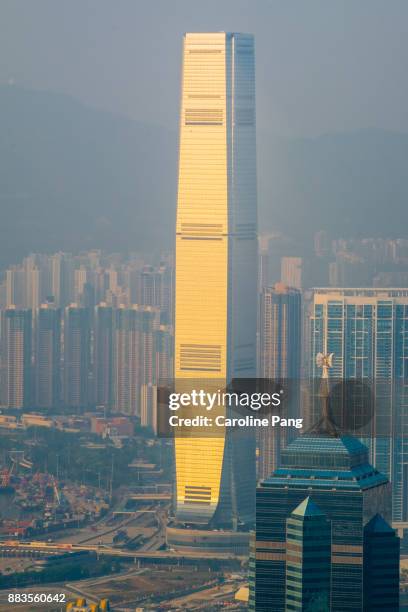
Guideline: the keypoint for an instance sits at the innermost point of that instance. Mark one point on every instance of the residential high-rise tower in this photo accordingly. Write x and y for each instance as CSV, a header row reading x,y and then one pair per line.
x,y
134,369
48,357
103,355
77,356
279,360
367,330
16,345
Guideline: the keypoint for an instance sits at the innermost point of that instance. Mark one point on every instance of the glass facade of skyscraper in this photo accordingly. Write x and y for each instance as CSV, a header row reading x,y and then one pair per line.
x,y
367,330
279,359
381,566
308,559
334,472
216,253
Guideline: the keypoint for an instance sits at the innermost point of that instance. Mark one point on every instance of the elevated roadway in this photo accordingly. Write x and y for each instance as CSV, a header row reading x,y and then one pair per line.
x,y
17,548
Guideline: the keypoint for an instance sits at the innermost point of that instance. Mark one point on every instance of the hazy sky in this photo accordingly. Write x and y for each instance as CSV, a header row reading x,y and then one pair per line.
x,y
321,66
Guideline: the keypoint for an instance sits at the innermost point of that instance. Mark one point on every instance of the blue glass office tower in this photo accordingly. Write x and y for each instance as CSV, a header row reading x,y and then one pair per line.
x,y
367,330
308,559
381,566
335,473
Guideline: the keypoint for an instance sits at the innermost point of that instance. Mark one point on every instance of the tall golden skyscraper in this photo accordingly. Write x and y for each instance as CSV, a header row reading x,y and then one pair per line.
x,y
216,278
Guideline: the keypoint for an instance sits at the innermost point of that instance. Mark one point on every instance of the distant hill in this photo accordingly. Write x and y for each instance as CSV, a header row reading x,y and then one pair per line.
x,y
72,177
352,184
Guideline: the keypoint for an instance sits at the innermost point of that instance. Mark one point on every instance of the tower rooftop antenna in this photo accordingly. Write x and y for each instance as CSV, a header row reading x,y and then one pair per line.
x,y
325,424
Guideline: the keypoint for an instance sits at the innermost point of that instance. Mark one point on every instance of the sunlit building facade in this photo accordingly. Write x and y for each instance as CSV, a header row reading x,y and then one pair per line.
x,y
216,252
16,356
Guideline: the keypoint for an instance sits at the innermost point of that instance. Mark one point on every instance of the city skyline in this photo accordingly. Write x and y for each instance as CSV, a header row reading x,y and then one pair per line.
x,y
204,306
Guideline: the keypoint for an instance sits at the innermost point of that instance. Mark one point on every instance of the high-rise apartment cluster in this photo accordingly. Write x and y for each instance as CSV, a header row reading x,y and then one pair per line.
x,y
362,262
78,354
88,279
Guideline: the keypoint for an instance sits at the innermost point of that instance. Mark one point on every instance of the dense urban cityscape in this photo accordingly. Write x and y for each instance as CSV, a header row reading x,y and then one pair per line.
x,y
86,340
116,493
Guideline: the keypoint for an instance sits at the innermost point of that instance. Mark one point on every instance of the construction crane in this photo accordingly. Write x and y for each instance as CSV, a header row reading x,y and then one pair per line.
x,y
5,476
56,492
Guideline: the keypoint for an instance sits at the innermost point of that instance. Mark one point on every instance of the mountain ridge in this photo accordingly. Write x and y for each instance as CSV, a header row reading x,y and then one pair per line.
x,y
73,177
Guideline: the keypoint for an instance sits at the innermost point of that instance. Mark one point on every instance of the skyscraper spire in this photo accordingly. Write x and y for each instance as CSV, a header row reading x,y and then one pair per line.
x,y
325,424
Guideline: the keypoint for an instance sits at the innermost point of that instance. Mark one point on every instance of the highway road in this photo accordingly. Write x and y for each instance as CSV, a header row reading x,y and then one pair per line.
x,y
46,548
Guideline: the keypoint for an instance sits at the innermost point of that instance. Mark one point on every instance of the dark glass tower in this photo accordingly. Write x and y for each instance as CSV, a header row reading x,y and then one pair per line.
x,y
308,559
381,566
334,472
